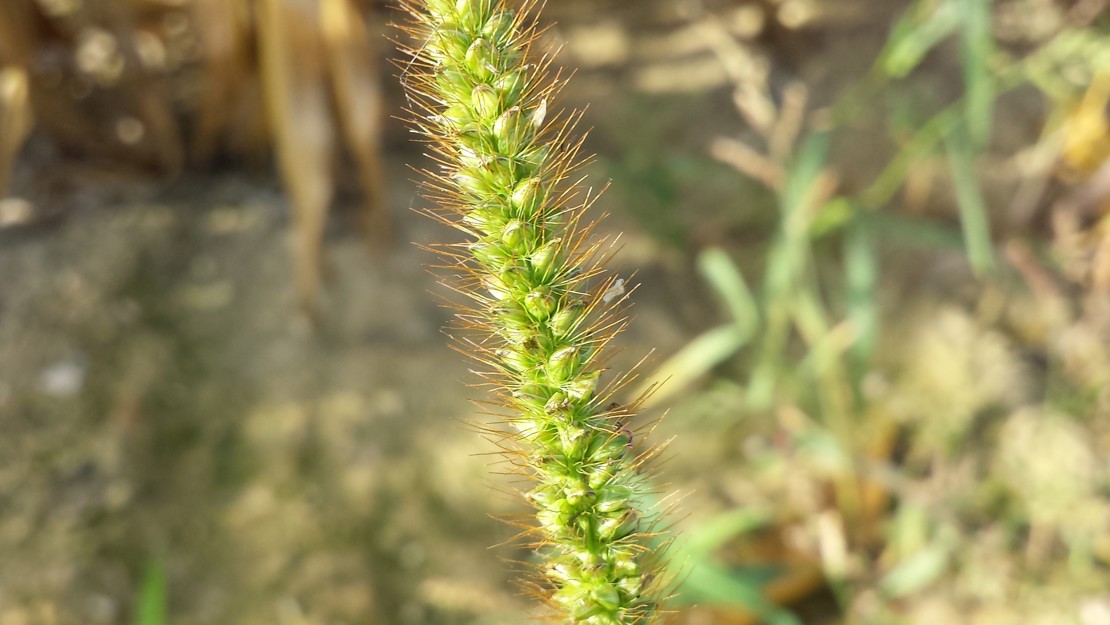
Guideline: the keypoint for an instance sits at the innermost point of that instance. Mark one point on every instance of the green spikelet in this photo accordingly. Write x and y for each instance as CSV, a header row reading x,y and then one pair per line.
x,y
541,307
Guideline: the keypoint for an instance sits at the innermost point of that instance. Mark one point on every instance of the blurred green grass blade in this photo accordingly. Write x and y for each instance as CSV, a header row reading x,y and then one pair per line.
x,y
701,541
707,582
836,214
713,584
973,210
150,608
726,279
786,265
887,184
825,346
977,40
804,170
763,382
861,268
788,253
811,320
919,30
895,228
694,360
916,573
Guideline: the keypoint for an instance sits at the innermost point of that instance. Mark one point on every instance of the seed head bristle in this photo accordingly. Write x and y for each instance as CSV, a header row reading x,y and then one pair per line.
x,y
538,311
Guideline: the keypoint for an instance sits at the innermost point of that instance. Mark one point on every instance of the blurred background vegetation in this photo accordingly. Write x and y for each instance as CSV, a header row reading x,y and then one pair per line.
x,y
873,242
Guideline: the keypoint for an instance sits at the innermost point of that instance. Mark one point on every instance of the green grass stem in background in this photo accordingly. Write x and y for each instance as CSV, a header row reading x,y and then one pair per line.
x,y
541,308
150,605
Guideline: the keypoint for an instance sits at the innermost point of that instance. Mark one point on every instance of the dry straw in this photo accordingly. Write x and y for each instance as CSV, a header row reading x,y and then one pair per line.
x,y
540,309
168,86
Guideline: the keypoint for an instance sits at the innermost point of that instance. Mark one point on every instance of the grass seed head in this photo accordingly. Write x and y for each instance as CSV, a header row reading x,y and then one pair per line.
x,y
539,312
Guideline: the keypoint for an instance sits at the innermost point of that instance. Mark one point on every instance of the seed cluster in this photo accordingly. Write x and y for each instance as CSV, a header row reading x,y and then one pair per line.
x,y
528,269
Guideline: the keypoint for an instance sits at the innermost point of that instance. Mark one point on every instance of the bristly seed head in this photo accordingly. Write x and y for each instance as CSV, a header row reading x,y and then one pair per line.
x,y
503,162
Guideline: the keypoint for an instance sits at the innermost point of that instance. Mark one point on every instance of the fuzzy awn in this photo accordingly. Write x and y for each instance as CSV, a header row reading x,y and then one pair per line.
x,y
541,308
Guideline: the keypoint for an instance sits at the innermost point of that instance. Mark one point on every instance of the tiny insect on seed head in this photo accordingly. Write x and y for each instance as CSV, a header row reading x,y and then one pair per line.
x,y
615,290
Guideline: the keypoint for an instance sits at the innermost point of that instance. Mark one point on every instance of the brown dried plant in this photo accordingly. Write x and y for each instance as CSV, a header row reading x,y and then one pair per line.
x,y
170,85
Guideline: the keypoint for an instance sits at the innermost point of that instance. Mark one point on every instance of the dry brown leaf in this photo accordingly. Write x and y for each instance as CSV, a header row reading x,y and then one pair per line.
x,y
15,119
293,71
310,64
359,100
18,31
1087,131
231,98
